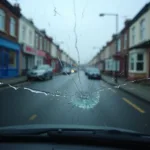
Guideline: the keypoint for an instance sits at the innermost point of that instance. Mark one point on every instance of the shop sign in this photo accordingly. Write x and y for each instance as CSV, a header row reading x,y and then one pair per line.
x,y
41,53
29,50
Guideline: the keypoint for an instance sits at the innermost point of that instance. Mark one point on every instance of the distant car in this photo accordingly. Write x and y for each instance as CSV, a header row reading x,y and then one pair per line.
x,y
42,72
87,71
73,70
66,71
94,73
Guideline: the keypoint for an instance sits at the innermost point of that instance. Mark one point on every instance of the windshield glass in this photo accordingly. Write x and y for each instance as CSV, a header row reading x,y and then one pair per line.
x,y
92,63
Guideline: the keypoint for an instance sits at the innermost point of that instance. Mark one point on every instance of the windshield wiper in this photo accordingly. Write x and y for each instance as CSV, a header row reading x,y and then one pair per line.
x,y
66,131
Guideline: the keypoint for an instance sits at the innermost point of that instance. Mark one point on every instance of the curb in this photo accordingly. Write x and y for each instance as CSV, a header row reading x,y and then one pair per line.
x,y
6,84
124,90
21,81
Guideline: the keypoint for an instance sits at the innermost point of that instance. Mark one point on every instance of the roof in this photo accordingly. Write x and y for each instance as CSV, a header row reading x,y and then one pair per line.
x,y
14,9
145,44
140,13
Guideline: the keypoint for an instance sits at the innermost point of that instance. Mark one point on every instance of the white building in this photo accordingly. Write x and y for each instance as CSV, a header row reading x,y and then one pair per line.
x,y
139,39
54,56
26,38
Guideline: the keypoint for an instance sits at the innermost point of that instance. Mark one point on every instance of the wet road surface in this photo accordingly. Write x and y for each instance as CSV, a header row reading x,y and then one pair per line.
x,y
68,100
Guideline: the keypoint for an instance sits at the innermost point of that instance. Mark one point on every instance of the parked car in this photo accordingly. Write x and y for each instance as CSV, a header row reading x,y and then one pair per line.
x,y
42,72
94,73
87,70
66,70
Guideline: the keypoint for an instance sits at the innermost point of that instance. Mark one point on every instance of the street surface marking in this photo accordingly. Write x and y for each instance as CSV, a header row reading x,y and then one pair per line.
x,y
133,105
16,85
33,117
113,90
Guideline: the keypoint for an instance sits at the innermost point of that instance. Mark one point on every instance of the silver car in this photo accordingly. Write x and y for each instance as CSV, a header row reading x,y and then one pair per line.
x,y
66,71
42,72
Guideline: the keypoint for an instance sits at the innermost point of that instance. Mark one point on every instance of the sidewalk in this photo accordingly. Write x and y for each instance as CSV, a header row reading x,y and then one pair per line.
x,y
16,80
12,81
136,89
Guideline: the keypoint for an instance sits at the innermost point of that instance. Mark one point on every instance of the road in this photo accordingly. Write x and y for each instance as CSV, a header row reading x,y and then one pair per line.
x,y
74,100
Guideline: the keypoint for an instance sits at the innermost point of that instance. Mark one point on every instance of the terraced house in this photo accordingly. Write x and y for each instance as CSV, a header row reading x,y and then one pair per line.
x,y
139,54
9,47
26,39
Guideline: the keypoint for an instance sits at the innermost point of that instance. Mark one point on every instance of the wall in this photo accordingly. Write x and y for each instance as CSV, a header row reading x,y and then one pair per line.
x,y
53,50
137,29
29,28
107,52
6,34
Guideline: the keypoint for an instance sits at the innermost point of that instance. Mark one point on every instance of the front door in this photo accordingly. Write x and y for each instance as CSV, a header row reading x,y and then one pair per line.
x,y
4,63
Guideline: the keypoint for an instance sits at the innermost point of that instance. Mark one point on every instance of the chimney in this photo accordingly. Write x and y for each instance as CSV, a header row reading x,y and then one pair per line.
x,y
31,21
51,39
17,7
57,46
114,36
43,31
127,22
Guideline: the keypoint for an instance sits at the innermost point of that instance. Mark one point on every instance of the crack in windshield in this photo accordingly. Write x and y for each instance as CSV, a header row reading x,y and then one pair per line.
x,y
91,81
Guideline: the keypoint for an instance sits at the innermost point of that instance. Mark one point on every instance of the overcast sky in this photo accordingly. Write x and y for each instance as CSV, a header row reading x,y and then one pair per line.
x,y
92,30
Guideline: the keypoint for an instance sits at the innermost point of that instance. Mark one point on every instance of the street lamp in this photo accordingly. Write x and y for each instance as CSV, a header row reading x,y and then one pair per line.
x,y
117,24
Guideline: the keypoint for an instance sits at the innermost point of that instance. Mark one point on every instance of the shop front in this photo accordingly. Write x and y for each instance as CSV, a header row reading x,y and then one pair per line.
x,y
40,57
28,58
9,58
47,59
55,63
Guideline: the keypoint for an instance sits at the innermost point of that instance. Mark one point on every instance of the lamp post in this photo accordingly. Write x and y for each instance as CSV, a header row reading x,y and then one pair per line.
x,y
117,24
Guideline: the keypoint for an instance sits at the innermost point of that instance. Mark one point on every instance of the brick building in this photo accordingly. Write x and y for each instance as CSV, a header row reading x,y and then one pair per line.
x,y
9,47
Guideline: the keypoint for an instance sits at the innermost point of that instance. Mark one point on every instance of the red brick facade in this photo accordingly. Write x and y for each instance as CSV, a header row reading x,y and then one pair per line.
x,y
10,11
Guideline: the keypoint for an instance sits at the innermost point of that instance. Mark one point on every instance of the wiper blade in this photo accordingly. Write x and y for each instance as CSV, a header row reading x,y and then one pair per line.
x,y
37,129
62,131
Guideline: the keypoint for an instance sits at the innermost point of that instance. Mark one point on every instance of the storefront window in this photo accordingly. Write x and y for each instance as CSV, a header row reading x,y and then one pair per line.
x,y
12,59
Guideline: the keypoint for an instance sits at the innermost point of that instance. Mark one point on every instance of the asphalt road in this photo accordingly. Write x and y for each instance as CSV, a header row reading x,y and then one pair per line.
x,y
73,100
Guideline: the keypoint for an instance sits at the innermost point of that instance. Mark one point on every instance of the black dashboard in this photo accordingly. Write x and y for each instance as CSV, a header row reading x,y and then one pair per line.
x,y
61,142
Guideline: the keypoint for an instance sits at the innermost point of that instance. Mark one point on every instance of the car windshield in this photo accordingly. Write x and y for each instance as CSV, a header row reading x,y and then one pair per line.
x,y
94,70
91,58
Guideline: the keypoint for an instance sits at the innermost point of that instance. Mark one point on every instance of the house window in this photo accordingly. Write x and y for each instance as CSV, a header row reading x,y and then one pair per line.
x,y
12,26
125,41
45,44
119,45
137,62
36,41
41,43
23,33
132,63
140,62
2,20
142,30
30,37
133,35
